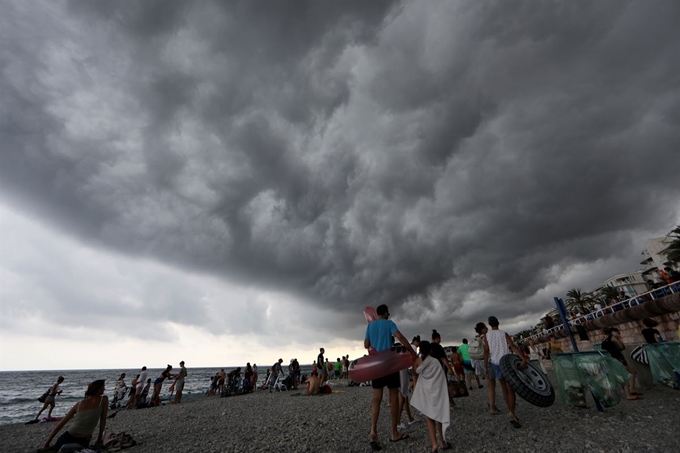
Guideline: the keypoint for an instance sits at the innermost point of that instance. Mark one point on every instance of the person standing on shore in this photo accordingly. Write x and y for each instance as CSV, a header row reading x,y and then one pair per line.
x,y
439,354
219,381
158,385
50,400
614,346
296,373
497,343
254,377
464,351
379,335
321,366
179,382
337,368
141,381
87,412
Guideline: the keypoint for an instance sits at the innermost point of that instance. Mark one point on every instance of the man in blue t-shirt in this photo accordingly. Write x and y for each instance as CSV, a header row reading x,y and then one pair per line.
x,y
379,335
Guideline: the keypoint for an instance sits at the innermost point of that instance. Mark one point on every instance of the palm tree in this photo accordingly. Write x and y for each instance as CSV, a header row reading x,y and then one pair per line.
x,y
579,298
673,250
609,292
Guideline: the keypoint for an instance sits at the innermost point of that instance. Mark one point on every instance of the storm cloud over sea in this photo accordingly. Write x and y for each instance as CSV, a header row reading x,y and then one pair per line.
x,y
260,169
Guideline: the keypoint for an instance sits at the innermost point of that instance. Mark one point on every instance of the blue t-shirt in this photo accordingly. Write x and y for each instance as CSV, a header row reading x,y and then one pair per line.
x,y
380,332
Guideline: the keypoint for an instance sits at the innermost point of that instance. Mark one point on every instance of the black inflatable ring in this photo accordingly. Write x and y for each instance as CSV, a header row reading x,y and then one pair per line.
x,y
530,383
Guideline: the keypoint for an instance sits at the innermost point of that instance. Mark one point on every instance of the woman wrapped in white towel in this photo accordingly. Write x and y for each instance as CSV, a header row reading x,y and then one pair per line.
x,y
431,396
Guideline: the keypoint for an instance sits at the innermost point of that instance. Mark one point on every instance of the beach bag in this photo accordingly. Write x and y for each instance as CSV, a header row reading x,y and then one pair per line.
x,y
457,389
476,349
44,396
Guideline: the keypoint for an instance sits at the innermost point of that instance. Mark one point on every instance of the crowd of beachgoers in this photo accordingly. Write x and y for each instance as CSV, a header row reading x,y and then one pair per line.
x,y
425,386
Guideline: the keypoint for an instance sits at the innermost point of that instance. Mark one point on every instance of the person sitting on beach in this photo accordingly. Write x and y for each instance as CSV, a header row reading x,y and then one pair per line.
x,y
86,414
119,390
313,384
51,397
158,385
265,383
133,392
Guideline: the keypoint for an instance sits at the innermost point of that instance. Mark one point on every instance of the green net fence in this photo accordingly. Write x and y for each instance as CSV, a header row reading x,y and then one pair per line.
x,y
664,360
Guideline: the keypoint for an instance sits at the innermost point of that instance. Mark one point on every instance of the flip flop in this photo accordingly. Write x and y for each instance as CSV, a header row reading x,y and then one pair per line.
x,y
375,446
515,423
635,398
402,437
414,421
448,446
495,413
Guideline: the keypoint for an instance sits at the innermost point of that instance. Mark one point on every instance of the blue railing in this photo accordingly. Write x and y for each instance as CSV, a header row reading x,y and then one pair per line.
x,y
633,301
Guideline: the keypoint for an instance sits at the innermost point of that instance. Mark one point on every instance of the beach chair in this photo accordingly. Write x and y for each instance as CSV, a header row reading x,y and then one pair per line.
x,y
280,383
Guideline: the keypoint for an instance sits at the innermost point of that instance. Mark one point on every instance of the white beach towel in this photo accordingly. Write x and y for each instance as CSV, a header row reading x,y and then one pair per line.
x,y
431,395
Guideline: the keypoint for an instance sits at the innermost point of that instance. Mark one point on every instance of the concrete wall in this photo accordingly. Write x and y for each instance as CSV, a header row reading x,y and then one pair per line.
x,y
666,311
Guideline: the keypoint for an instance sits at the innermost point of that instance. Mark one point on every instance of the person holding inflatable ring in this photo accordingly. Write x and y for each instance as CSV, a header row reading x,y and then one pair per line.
x,y
379,336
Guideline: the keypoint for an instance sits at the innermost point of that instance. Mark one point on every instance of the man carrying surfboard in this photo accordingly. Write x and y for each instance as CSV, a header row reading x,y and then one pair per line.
x,y
379,335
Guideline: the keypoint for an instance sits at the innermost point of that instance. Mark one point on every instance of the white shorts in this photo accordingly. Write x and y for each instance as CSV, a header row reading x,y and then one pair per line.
x,y
478,366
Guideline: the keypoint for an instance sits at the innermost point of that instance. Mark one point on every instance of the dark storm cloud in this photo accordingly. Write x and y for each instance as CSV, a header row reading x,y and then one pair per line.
x,y
349,153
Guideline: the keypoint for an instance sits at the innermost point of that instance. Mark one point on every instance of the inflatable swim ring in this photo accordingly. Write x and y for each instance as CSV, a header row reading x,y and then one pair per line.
x,y
381,364
370,314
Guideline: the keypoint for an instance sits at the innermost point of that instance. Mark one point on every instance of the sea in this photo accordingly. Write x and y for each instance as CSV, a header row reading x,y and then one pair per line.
x,y
19,390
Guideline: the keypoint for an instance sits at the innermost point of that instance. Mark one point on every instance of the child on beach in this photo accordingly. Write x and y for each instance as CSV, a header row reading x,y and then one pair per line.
x,y
431,396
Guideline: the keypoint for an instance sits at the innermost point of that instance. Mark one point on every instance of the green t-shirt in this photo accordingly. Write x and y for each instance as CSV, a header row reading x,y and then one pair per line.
x,y
463,350
338,366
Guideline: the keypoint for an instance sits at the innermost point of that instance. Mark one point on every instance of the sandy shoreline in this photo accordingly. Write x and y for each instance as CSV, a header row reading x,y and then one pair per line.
x,y
286,422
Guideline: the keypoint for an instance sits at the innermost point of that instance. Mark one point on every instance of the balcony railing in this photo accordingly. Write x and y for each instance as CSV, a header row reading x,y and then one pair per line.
x,y
633,301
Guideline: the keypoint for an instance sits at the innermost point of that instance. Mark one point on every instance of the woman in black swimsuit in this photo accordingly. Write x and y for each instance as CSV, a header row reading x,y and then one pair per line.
x,y
614,345
158,384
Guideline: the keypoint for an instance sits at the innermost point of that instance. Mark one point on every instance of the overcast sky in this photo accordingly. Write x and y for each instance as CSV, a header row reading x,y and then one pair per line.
x,y
224,182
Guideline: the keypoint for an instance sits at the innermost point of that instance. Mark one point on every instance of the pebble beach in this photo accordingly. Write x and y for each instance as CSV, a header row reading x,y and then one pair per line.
x,y
339,422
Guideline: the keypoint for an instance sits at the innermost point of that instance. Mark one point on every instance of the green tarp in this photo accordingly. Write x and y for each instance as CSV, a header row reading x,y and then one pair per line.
x,y
580,373
664,360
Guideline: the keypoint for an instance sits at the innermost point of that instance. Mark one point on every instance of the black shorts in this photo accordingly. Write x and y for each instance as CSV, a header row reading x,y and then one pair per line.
x,y
391,381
